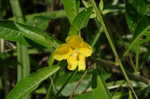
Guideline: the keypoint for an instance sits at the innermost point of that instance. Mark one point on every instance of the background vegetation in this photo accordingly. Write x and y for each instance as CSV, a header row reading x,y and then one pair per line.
x,y
118,31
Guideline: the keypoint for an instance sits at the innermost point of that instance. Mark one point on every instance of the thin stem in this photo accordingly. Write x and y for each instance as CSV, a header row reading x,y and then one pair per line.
x,y
66,82
137,60
5,69
22,53
50,60
101,20
1,45
79,82
98,34
132,63
23,68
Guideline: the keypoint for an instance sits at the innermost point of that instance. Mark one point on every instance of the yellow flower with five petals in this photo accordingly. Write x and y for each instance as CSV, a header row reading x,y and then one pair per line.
x,y
75,51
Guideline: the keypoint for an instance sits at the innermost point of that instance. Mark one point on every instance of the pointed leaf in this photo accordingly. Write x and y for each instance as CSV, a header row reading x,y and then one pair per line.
x,y
142,29
101,4
29,83
135,10
17,32
80,21
100,92
71,7
8,31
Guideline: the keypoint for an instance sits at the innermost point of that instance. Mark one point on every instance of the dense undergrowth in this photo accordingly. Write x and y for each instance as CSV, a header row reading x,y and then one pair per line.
x,y
113,42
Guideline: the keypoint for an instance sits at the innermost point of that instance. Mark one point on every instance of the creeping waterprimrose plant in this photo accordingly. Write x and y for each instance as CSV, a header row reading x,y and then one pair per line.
x,y
74,49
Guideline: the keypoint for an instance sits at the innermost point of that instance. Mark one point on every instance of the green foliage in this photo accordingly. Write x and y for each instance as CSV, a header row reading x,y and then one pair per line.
x,y
41,20
99,92
3,7
49,22
72,8
135,12
138,22
101,4
9,32
18,32
31,82
80,21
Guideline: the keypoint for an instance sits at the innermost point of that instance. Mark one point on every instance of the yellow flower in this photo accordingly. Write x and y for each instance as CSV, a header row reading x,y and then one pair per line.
x,y
75,51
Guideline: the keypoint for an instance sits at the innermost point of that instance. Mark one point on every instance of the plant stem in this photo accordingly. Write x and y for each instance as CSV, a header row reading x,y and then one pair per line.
x,y
66,82
23,68
98,34
5,69
101,20
137,60
78,83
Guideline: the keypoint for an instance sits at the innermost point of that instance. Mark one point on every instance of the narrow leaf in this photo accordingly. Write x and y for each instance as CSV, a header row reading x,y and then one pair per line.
x,y
18,32
101,4
29,83
37,36
80,21
100,92
135,10
8,31
141,30
71,8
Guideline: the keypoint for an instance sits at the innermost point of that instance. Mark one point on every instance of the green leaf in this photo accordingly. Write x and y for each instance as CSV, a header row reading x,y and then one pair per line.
x,y
8,31
135,10
80,21
142,29
29,83
37,36
41,20
138,22
100,92
71,7
72,83
101,4
17,32
130,95
117,95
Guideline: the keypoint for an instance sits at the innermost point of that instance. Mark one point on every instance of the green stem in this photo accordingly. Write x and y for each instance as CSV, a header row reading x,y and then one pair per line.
x,y
137,60
98,34
66,82
50,60
23,68
101,20
132,63
78,83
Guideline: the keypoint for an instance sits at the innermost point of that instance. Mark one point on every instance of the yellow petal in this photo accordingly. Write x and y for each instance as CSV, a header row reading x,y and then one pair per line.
x,y
81,63
72,61
62,52
85,49
74,41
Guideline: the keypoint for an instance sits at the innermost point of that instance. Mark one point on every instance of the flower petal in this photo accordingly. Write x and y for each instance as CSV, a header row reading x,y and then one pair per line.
x,y
85,49
74,41
62,52
72,61
81,63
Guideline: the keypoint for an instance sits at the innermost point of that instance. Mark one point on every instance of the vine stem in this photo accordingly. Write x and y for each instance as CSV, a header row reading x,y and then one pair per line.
x,y
101,20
